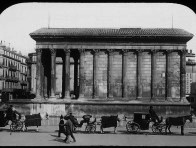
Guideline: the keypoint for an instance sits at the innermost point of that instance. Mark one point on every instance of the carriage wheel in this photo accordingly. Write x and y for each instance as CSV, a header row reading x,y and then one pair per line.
x,y
90,128
157,128
132,127
93,128
13,126
19,125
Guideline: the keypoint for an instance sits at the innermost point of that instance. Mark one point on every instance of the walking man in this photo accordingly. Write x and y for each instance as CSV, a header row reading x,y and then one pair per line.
x,y
69,130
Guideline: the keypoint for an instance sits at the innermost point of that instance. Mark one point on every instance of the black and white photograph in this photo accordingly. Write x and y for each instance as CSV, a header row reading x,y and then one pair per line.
x,y
97,74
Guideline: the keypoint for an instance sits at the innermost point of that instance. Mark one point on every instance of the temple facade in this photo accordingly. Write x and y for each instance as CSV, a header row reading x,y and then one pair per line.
x,y
145,65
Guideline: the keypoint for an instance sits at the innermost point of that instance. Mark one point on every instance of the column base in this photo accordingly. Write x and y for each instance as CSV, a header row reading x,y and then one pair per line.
x,y
183,100
81,98
138,98
52,98
169,99
37,98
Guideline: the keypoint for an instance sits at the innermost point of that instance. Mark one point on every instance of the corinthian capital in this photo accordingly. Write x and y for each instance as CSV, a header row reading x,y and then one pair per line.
x,y
168,51
110,51
82,51
96,51
39,51
67,50
53,51
183,51
154,51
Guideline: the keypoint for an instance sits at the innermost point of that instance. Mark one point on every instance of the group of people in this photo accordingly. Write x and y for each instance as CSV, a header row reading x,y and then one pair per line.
x,y
67,123
66,126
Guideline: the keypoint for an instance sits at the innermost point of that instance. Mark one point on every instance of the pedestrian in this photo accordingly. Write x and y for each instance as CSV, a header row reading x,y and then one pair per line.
x,y
69,130
61,126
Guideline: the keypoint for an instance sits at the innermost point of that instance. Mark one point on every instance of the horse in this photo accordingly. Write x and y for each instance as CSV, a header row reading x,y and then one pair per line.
x,y
177,121
110,121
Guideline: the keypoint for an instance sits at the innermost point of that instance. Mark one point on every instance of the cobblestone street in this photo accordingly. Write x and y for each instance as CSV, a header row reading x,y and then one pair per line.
x,y
47,136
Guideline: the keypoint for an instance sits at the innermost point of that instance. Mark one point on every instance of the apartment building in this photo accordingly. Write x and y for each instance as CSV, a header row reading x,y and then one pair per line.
x,y
13,73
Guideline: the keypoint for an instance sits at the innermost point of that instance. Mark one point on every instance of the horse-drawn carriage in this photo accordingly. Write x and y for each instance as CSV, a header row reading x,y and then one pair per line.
x,y
142,120
20,122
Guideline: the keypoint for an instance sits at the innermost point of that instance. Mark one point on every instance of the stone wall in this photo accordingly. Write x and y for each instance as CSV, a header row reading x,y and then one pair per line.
x,y
99,109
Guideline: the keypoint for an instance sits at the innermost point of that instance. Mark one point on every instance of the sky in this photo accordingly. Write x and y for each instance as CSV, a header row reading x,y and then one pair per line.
x,y
19,20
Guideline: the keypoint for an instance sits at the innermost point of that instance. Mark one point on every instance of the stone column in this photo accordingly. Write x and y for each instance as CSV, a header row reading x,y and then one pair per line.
x,y
81,74
153,73
168,76
124,72
53,74
38,75
67,74
95,71
139,74
183,75
110,81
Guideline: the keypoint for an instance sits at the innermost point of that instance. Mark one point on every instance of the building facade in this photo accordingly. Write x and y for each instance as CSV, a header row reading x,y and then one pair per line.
x,y
13,72
191,78
112,64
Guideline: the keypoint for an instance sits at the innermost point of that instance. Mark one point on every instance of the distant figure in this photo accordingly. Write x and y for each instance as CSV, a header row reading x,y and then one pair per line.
x,y
69,130
153,115
61,126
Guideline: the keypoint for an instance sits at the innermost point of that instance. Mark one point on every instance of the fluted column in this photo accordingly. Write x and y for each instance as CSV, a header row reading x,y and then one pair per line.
x,y
53,73
183,75
38,75
124,72
95,70
81,74
168,76
139,74
153,73
110,81
67,74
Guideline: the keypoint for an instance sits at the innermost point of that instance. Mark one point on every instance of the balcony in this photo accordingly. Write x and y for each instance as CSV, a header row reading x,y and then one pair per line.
x,y
24,73
23,82
12,79
1,65
190,62
2,78
12,68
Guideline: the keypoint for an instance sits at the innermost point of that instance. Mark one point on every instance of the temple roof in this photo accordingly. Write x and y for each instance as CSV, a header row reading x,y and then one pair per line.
x,y
111,32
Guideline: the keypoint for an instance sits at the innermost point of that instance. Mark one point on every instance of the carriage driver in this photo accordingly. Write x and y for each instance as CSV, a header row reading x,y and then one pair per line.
x,y
153,115
11,114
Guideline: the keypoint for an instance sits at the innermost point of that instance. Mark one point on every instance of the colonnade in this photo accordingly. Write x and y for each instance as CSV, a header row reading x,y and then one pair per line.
x,y
138,52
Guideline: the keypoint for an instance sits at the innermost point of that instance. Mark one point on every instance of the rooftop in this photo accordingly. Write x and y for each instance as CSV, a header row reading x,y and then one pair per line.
x,y
112,32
